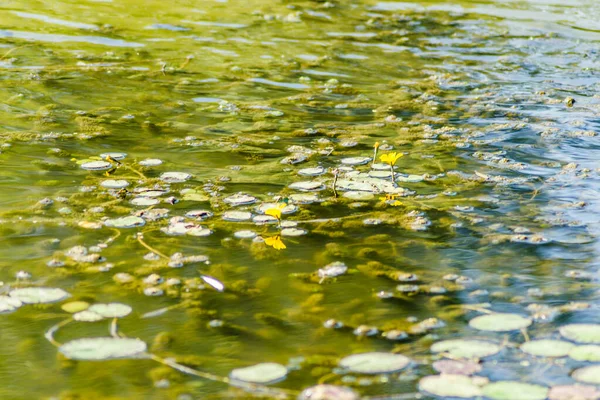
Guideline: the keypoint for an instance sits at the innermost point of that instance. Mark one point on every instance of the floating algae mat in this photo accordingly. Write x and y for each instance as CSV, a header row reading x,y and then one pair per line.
x,y
299,200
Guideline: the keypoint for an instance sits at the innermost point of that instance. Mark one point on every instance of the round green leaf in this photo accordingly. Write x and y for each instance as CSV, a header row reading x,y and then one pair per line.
x,y
102,348
75,306
263,373
36,295
589,374
125,222
9,304
328,392
465,348
447,385
512,390
499,322
582,333
573,392
111,310
588,352
547,348
87,316
374,363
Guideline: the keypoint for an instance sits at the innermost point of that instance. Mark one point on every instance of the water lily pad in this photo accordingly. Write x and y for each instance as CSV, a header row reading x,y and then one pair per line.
x,y
144,201
511,390
96,166
466,348
589,374
499,322
385,174
152,193
288,209
102,348
245,234
75,306
328,392
9,304
114,183
87,316
264,219
355,160
36,295
111,310
293,232
409,178
547,348
175,177
588,352
360,196
374,363
199,232
448,385
573,392
150,162
125,222
240,200
581,333
307,186
457,367
263,373
316,171
237,216
304,198
114,155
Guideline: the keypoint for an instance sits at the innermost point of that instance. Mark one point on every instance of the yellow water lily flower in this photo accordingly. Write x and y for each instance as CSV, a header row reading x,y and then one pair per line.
x,y
275,242
275,211
390,158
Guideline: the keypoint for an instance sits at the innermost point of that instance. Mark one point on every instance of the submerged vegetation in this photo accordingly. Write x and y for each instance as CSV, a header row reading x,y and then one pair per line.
x,y
299,199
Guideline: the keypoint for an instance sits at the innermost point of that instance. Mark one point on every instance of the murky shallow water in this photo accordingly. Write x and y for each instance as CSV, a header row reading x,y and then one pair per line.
x,y
493,105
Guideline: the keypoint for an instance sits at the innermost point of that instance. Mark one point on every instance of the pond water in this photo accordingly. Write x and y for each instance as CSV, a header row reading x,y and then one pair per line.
x,y
209,166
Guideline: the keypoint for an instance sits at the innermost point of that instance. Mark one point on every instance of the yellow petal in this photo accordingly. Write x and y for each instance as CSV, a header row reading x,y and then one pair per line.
x,y
275,242
396,203
274,212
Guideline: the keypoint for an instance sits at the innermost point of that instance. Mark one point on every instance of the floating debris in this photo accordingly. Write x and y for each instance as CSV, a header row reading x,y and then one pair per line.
x,y
332,270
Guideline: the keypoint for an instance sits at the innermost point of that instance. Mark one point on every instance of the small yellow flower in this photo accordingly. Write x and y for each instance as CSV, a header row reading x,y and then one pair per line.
x,y
275,211
275,242
376,145
397,203
390,158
